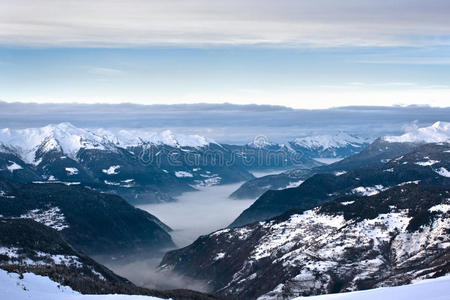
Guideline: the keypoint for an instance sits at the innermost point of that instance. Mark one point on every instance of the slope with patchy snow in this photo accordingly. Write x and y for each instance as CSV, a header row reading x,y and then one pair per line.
x,y
353,243
425,165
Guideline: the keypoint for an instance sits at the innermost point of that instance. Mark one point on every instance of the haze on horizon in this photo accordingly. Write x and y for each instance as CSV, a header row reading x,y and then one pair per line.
x,y
226,123
299,54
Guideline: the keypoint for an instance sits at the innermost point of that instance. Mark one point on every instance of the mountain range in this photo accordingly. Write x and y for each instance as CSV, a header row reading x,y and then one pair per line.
x,y
377,218
147,167
377,153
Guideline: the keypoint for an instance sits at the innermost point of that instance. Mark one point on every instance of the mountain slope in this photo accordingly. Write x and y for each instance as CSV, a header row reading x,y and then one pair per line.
x,y
35,249
376,154
321,188
28,246
329,146
254,188
352,243
96,223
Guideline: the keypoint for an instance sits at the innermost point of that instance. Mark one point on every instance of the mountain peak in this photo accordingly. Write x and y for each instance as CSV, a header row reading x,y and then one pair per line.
x,y
436,124
326,141
70,139
436,133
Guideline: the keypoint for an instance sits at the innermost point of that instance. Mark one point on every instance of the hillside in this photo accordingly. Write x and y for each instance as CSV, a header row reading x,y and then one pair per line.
x,y
95,223
353,243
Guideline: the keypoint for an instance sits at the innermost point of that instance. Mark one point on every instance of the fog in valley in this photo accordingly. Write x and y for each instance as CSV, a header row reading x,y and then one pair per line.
x,y
199,212
193,214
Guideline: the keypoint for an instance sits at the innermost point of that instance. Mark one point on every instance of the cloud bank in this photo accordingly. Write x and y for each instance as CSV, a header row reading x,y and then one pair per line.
x,y
226,123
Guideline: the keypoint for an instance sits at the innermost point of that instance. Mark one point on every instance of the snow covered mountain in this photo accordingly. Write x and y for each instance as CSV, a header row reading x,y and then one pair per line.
x,y
436,133
138,165
353,243
30,143
128,163
339,145
376,154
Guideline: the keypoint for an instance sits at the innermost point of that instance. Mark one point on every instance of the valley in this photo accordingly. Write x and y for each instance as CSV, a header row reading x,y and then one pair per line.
x,y
194,229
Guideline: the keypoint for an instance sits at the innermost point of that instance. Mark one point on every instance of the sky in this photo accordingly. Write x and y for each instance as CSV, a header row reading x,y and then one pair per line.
x,y
296,53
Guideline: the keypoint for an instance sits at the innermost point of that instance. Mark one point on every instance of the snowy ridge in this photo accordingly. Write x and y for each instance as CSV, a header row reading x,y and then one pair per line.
x,y
341,139
61,137
68,139
134,137
437,133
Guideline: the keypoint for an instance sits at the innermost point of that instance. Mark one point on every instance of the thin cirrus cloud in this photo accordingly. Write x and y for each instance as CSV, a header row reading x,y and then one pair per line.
x,y
382,84
288,23
408,61
102,71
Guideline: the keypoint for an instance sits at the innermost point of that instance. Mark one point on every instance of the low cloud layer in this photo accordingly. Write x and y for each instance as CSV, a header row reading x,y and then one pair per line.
x,y
225,123
144,273
200,212
194,214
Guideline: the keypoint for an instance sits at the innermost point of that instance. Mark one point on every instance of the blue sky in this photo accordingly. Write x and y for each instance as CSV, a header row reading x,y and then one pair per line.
x,y
295,54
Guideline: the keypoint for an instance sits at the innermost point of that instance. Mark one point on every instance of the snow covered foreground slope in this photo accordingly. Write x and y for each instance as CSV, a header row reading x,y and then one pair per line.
x,y
42,288
36,287
431,289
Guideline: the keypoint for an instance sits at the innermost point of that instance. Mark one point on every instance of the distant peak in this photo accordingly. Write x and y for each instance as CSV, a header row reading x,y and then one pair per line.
x,y
436,133
437,124
69,139
326,141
